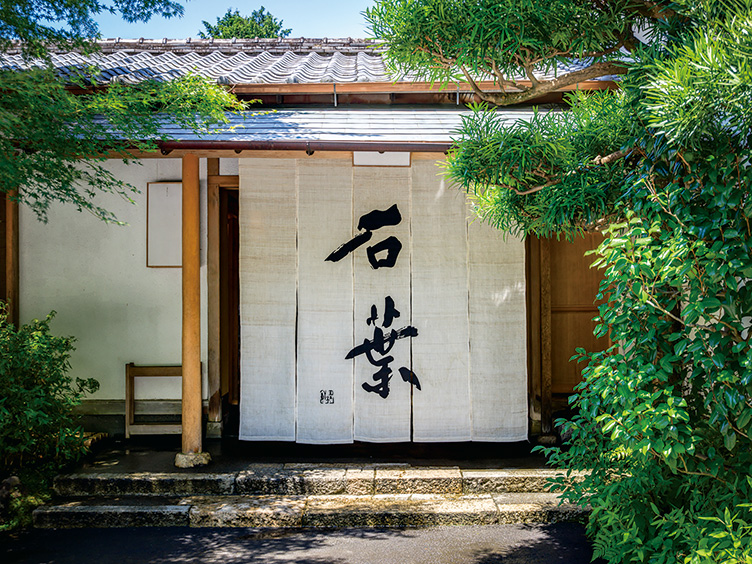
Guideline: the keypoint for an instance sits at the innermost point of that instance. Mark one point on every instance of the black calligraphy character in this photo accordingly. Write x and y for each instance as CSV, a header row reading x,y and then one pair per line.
x,y
369,223
380,346
382,377
391,245
410,377
390,313
379,342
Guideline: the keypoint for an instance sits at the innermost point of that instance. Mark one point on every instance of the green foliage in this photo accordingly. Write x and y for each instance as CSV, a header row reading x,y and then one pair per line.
x,y
489,34
34,490
55,132
233,24
665,414
447,40
697,90
731,542
540,176
54,143
37,397
39,24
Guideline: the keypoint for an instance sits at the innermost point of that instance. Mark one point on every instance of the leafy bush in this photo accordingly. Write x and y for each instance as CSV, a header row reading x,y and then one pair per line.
x,y
664,416
34,490
37,397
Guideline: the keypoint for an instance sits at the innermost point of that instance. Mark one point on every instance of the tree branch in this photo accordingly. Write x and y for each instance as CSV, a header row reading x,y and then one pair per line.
x,y
531,190
529,72
535,189
595,70
654,10
503,82
486,97
615,156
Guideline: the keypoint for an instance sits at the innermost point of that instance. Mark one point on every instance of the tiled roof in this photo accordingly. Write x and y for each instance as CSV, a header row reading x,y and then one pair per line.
x,y
339,125
229,61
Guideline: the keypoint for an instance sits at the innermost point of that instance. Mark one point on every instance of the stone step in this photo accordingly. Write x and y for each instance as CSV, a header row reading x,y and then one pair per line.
x,y
339,511
287,480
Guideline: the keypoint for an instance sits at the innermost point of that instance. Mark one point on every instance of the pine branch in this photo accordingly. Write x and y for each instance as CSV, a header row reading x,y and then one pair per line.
x,y
596,70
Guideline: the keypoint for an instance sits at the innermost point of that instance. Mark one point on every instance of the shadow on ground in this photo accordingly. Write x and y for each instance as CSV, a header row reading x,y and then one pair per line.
x,y
561,543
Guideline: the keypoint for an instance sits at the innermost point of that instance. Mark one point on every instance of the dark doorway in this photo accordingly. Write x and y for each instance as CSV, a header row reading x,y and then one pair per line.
x,y
229,284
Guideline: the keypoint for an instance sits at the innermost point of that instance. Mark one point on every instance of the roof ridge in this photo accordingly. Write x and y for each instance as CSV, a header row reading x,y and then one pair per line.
x,y
275,45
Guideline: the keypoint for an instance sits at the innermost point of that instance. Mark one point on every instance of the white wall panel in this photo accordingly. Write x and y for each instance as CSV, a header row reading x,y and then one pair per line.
x,y
95,276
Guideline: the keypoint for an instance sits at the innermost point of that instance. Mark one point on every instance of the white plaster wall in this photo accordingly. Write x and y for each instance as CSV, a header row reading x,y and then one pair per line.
x,y
228,166
95,276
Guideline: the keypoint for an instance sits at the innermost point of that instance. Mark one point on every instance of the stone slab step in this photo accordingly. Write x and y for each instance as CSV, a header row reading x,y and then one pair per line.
x,y
338,511
320,480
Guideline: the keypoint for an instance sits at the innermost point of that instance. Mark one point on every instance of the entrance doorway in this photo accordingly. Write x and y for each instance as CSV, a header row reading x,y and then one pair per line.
x,y
561,305
223,299
229,282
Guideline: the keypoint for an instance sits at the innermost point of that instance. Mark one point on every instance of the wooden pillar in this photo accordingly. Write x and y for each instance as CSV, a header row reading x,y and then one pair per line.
x,y
546,334
11,257
191,455
533,305
213,306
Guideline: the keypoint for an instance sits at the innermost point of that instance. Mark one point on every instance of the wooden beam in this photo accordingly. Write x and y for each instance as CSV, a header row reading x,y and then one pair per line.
x,y
546,359
212,166
226,346
11,257
389,87
191,341
383,87
213,308
231,154
224,180
533,301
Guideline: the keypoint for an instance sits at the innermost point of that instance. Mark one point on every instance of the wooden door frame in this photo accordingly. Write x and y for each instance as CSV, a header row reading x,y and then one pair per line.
x,y
538,298
11,293
215,182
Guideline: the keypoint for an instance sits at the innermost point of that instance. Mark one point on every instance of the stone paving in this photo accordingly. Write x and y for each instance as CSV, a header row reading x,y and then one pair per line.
x,y
307,495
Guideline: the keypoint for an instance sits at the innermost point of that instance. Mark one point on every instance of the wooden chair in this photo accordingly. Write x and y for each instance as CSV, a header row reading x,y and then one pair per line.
x,y
131,373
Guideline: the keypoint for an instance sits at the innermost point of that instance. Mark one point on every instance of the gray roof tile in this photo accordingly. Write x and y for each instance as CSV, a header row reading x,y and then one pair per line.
x,y
270,61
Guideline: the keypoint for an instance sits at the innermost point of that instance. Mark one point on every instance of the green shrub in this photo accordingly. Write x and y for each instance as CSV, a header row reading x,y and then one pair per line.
x,y
664,416
37,396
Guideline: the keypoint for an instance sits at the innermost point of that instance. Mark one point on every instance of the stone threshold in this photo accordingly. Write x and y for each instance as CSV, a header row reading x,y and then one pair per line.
x,y
333,511
298,479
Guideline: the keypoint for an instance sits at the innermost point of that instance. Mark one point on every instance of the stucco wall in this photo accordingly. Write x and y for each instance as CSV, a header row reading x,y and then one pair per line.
x,y
95,276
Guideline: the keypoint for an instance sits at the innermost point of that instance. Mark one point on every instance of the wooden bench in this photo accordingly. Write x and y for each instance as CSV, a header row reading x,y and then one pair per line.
x,y
131,373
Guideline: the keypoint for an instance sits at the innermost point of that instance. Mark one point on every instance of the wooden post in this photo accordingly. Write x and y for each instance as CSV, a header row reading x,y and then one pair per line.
x,y
11,257
533,304
214,426
546,360
191,420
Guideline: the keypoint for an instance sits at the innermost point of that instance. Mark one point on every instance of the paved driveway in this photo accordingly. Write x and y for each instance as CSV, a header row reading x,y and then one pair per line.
x,y
562,543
